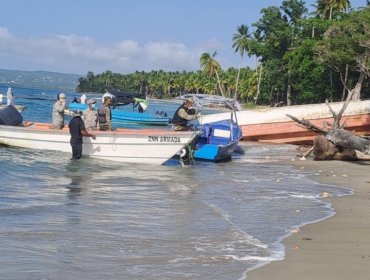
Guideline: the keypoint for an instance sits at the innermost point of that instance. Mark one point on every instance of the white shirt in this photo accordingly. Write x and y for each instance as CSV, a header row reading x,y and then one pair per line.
x,y
83,99
9,96
1,99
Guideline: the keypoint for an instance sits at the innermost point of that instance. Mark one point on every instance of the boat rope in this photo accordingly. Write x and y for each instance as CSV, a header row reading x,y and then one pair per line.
x,y
187,153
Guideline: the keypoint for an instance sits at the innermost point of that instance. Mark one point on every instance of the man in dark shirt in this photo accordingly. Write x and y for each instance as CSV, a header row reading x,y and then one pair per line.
x,y
77,130
183,115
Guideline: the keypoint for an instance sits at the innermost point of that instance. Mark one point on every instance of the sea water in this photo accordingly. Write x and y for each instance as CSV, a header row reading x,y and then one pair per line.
x,y
40,103
95,219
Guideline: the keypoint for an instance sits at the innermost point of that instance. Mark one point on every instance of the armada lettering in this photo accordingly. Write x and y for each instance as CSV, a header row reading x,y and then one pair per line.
x,y
164,139
170,139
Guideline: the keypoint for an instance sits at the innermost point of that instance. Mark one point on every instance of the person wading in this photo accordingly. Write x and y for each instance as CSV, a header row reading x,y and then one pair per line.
x,y
77,130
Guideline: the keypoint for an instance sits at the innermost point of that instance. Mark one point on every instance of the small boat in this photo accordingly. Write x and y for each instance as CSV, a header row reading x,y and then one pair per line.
x,y
211,101
129,117
273,125
216,141
123,98
145,146
20,108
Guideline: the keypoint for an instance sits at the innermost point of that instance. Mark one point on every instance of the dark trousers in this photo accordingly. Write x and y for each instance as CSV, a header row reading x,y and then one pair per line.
x,y
76,151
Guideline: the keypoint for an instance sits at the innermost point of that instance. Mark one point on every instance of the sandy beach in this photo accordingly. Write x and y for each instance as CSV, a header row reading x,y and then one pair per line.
x,y
337,248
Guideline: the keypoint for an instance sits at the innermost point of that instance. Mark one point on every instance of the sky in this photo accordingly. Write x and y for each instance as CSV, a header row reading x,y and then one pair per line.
x,y
123,36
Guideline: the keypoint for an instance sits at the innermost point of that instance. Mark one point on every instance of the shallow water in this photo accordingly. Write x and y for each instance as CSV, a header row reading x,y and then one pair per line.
x,y
96,219
101,220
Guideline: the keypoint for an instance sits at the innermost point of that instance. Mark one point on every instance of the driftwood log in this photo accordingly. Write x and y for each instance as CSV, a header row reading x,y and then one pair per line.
x,y
335,142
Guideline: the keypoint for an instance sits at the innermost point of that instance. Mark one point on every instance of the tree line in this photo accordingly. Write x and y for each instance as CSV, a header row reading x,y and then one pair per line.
x,y
301,58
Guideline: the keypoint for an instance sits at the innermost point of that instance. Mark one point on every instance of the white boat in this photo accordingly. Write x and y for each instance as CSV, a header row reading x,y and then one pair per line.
x,y
149,146
273,124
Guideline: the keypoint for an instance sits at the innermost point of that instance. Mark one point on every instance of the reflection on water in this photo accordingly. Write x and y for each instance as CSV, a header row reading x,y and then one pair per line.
x,y
92,219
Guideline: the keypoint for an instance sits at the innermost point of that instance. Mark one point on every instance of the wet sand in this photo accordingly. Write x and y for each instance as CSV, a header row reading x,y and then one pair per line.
x,y
337,248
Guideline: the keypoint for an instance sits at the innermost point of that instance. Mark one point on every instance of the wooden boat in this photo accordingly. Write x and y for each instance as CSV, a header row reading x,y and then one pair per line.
x,y
149,146
129,117
273,125
217,141
20,108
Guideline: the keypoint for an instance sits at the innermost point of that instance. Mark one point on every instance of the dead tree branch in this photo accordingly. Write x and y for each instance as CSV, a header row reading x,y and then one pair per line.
x,y
308,125
346,139
337,143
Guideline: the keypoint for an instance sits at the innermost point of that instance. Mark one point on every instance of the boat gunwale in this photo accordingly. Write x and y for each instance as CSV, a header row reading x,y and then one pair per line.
x,y
47,128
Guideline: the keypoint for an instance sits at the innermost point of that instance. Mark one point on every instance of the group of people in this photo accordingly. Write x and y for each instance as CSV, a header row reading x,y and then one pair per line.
x,y
9,97
93,119
83,123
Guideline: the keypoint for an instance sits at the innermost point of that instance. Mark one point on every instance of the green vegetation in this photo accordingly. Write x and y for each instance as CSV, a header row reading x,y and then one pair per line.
x,y
300,58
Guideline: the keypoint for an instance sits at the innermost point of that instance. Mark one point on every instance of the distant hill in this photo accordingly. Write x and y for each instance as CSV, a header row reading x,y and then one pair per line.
x,y
39,79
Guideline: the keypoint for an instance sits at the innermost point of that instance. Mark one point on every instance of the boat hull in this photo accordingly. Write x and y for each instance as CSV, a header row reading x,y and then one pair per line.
x,y
216,153
273,124
123,145
292,133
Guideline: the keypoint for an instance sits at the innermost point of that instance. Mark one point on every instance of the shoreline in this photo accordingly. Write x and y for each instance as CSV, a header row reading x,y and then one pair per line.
x,y
337,247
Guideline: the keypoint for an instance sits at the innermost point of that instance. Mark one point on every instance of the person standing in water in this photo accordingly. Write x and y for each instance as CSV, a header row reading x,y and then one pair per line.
x,y
77,130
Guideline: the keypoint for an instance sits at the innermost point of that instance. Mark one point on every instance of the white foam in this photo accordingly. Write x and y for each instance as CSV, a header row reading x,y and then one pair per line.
x,y
257,258
247,238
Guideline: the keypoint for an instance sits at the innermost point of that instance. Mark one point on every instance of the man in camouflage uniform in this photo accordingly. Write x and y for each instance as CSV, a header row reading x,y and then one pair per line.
x,y
58,112
105,115
90,116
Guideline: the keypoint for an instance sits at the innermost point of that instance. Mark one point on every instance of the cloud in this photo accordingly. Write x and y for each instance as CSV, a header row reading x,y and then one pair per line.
x,y
172,56
4,34
80,54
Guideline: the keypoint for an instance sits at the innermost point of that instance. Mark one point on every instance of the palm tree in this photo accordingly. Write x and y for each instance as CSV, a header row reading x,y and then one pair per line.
x,y
107,78
211,67
241,45
325,8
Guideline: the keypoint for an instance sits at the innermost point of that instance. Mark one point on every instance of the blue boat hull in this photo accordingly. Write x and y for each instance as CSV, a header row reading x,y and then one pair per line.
x,y
215,153
129,117
218,141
